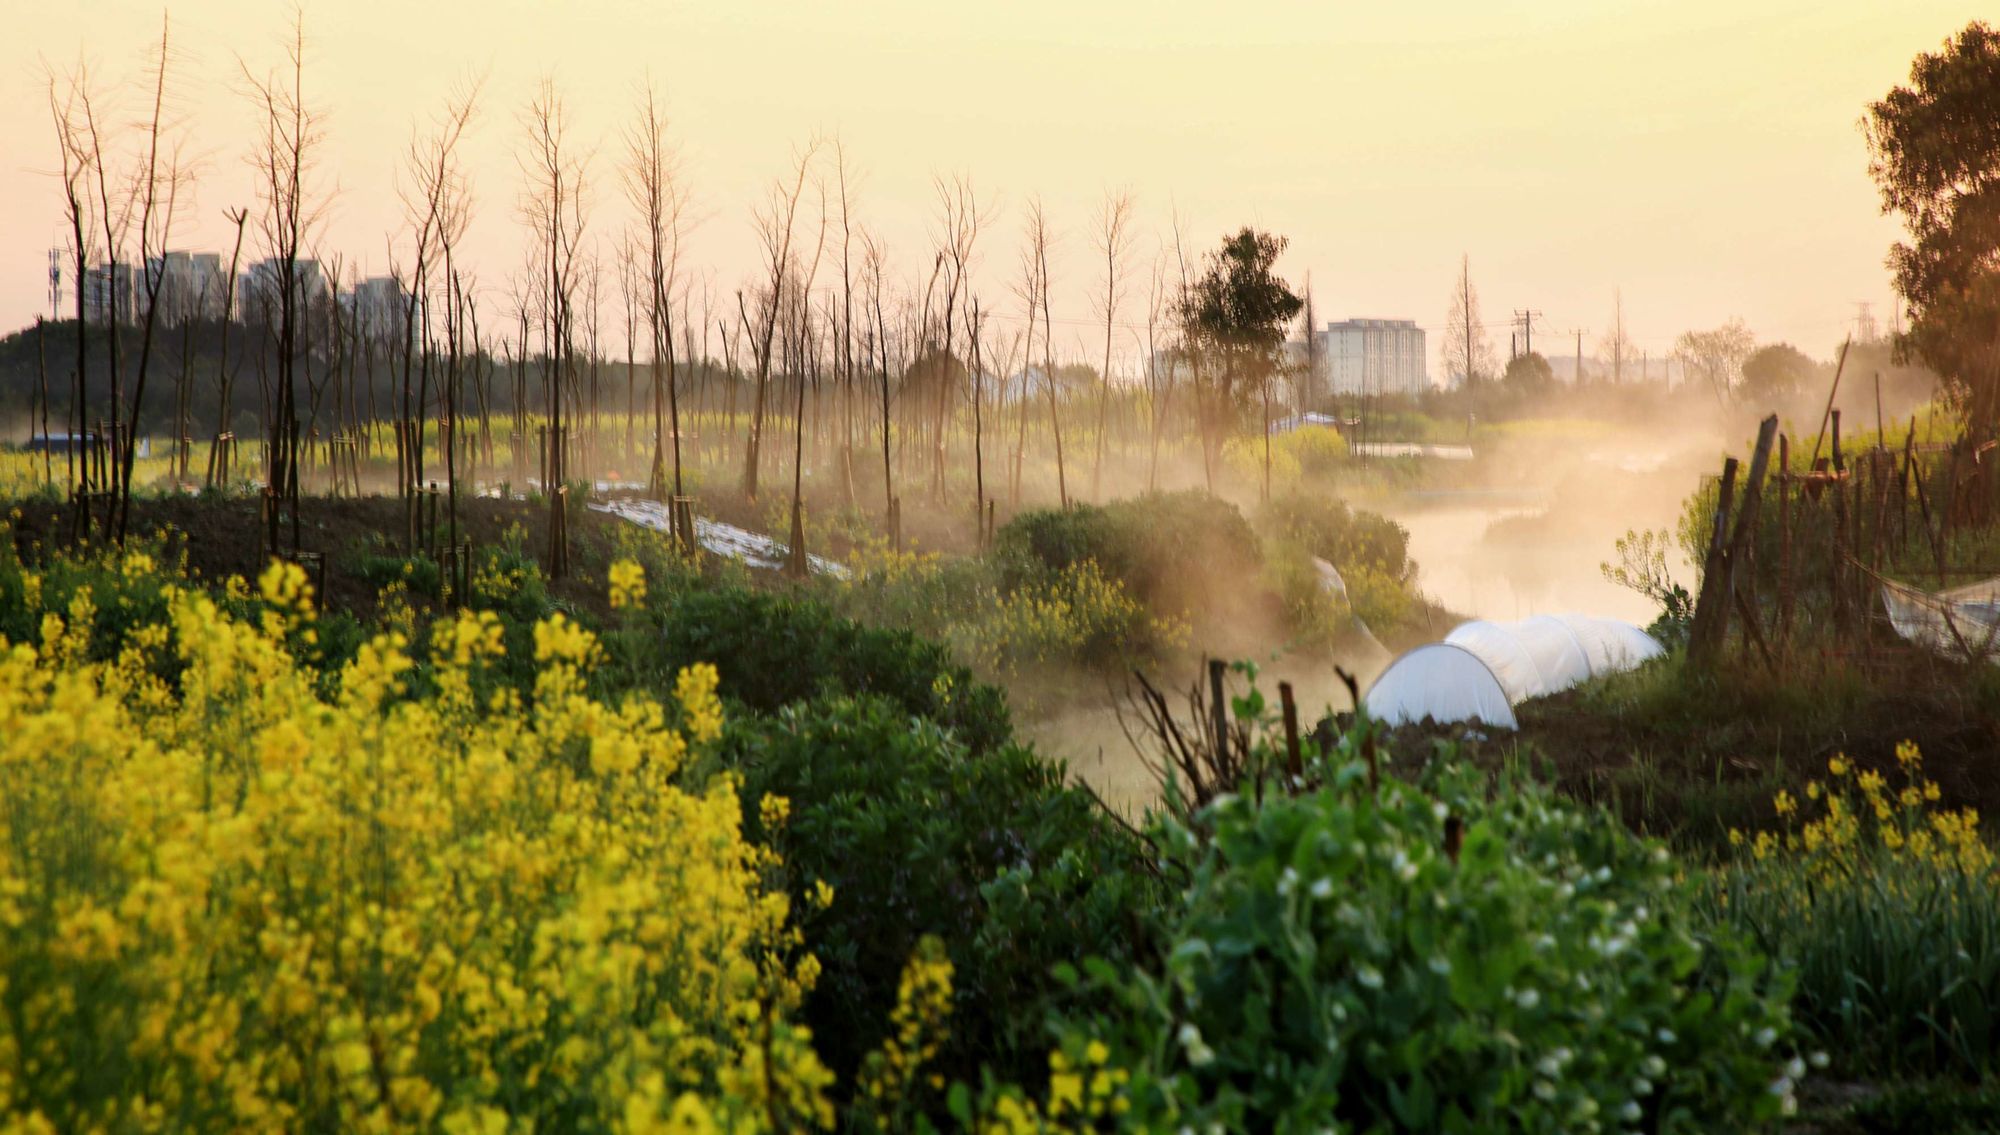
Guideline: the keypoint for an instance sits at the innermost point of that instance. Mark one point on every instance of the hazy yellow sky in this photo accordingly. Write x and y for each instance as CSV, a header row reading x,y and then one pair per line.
x,y
1701,155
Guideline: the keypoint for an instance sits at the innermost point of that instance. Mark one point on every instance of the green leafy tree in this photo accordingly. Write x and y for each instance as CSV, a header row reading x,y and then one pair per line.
x,y
1236,314
1529,374
1777,372
1935,147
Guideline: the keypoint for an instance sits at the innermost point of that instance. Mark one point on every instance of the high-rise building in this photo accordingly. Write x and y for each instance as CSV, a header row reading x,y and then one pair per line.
x,y
1368,356
378,305
107,294
257,292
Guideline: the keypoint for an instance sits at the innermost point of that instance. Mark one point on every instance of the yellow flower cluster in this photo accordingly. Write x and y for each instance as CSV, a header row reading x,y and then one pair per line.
x,y
237,903
923,1006
628,584
1857,804
1081,1096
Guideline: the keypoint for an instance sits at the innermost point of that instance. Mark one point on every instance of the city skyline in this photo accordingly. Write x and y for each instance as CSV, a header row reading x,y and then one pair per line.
x,y
1380,185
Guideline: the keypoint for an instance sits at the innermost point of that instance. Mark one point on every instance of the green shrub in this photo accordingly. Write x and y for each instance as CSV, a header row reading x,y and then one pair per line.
x,y
773,651
993,853
1175,552
1333,965
1343,537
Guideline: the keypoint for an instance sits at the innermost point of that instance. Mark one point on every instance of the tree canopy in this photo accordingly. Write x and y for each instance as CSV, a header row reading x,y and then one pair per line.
x,y
1935,147
1529,373
1777,372
1238,310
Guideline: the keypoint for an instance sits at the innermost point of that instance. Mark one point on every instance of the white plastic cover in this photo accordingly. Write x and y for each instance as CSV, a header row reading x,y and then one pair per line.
x,y
1441,681
1483,669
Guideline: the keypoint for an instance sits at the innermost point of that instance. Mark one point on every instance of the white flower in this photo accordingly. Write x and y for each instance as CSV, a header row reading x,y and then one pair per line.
x,y
1819,1059
1544,1090
1795,1068
1441,966
1642,1087
1440,811
1369,977
1288,882
1766,1037
1654,1066
1527,998
1322,888
1666,1036
1631,1112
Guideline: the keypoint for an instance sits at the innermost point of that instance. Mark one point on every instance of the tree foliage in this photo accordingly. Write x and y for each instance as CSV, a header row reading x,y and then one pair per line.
x,y
1238,310
1777,372
1529,373
1935,147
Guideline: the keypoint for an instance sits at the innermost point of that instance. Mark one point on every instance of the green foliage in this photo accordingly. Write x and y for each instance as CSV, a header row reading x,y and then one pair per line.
x,y
773,651
1175,552
1239,309
1888,908
1935,154
992,852
1075,615
1343,537
1332,962
1642,567
1370,552
1934,1108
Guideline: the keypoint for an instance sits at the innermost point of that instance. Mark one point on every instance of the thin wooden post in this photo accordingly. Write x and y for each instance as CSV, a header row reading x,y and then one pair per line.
x,y
1220,710
1784,543
1703,635
1294,762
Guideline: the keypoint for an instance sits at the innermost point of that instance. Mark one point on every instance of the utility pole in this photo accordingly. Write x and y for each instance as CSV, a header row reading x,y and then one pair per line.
x,y
1527,321
1579,357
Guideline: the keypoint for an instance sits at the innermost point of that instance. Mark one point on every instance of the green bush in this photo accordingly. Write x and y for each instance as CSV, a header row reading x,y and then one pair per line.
x,y
1344,537
1175,552
773,651
1333,965
993,853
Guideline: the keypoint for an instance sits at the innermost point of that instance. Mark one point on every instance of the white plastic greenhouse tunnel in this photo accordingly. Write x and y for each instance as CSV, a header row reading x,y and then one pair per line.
x,y
1482,670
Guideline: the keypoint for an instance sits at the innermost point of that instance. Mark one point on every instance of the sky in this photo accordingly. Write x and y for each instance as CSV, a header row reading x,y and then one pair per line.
x,y
1700,158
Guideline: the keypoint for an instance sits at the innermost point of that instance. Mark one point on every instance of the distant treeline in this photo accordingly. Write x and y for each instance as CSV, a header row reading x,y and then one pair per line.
x,y
190,356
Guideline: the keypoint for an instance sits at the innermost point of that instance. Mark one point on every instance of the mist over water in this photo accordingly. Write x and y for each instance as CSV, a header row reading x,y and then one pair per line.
x,y
1532,541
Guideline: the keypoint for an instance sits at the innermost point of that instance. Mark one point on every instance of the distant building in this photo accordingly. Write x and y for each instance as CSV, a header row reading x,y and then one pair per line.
x,y
257,292
1367,356
191,286
378,305
107,294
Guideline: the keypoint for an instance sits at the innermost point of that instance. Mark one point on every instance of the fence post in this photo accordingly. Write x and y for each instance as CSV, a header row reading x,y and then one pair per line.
x,y
1702,635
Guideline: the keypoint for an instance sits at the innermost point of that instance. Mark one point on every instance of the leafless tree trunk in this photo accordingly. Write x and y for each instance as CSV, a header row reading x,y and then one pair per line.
x,y
284,159
1113,241
774,222
555,212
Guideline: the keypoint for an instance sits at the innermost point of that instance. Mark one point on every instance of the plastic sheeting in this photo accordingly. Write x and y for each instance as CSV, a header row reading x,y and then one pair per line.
x,y
751,548
1963,622
1441,681
1528,659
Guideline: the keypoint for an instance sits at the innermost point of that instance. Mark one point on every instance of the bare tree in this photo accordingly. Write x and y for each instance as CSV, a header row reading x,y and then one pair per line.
x,y
1037,265
284,159
76,162
1616,346
652,182
554,208
1717,355
774,222
1113,241
1465,345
